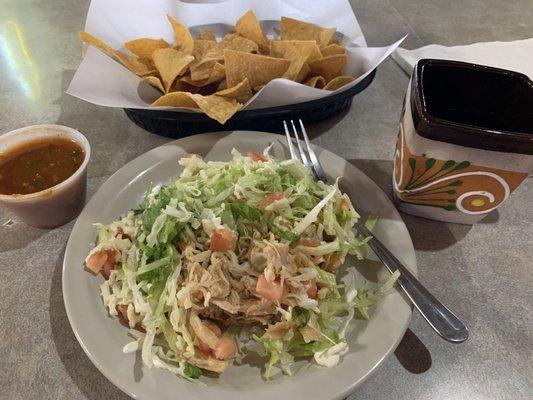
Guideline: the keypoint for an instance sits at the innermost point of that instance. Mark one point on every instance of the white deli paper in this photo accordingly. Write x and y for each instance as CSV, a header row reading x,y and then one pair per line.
x,y
516,55
101,80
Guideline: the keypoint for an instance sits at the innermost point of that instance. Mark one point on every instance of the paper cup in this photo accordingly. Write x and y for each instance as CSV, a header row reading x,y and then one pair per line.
x,y
58,204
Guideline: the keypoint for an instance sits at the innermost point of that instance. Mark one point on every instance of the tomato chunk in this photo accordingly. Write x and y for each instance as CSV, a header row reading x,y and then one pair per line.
x,y
271,291
222,239
101,261
96,261
225,349
256,156
271,198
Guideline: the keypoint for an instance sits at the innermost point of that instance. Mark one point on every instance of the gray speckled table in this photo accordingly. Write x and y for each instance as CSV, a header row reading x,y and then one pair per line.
x,y
483,272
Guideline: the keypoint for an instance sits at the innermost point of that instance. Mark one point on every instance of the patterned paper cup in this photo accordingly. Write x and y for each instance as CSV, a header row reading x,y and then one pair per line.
x,y
465,140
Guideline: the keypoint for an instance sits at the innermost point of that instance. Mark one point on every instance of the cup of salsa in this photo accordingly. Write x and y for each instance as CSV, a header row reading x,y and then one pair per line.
x,y
43,174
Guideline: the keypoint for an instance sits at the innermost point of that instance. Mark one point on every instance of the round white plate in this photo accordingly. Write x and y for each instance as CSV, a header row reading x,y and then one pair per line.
x,y
103,337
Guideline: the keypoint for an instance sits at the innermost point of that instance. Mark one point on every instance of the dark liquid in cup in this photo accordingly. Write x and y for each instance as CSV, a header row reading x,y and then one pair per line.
x,y
481,98
38,165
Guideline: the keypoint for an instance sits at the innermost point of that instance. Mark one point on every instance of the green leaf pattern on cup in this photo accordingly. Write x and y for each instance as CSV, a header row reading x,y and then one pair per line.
x,y
427,176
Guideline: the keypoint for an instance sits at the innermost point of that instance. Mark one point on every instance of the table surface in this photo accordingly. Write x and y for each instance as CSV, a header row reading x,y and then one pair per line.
x,y
483,272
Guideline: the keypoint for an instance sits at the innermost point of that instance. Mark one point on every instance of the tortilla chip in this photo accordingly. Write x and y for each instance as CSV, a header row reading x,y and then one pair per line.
x,y
208,90
218,108
176,99
147,61
329,67
199,73
155,82
299,52
332,49
297,71
304,71
170,63
248,26
257,68
293,29
136,65
201,47
94,41
206,35
292,49
240,92
316,82
180,85
144,47
201,69
183,40
223,85
338,82
233,41
265,50
216,74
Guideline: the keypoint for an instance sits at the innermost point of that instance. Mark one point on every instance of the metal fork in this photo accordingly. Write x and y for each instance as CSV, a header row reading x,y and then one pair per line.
x,y
440,318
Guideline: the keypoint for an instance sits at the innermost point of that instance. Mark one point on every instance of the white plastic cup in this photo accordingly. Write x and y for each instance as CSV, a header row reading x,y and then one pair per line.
x,y
58,204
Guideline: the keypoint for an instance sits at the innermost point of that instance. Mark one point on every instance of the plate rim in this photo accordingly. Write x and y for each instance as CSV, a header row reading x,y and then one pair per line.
x,y
221,134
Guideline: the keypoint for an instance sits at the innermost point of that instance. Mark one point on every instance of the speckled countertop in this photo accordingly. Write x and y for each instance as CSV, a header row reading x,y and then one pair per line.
x,y
482,272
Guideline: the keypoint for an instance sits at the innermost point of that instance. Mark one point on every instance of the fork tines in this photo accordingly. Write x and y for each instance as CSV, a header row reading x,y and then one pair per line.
x,y
305,153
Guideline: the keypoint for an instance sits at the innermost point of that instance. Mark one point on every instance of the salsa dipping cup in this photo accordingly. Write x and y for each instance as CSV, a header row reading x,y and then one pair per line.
x,y
465,140
57,205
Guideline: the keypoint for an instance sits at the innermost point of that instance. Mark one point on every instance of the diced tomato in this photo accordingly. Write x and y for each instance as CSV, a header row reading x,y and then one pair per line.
x,y
225,349
222,239
109,264
334,262
271,198
271,291
101,261
96,261
311,288
256,156
309,242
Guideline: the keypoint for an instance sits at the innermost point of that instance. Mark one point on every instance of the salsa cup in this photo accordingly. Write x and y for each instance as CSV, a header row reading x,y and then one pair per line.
x,y
57,205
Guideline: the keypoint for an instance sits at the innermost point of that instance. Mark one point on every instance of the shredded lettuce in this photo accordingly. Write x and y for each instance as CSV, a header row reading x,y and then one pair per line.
x,y
168,270
192,371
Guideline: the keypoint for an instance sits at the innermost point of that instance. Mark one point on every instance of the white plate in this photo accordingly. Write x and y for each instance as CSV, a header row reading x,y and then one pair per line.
x,y
103,337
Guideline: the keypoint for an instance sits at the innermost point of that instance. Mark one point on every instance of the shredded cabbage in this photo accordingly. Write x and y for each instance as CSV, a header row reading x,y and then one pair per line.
x,y
209,250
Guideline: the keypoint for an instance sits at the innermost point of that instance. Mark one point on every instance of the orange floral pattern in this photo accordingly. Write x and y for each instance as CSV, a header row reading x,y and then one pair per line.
x,y
449,184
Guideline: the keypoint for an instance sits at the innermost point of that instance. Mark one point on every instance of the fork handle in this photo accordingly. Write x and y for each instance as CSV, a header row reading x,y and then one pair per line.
x,y
441,319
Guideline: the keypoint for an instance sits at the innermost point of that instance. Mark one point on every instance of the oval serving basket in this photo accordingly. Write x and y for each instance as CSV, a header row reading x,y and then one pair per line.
x,y
177,124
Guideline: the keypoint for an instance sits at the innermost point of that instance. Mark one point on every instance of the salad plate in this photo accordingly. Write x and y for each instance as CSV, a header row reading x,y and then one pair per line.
x,y
103,338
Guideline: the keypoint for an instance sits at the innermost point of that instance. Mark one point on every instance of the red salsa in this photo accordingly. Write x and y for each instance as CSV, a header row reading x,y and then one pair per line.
x,y
38,165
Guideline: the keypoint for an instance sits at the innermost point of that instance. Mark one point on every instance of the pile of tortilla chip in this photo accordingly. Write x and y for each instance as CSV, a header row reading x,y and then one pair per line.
x,y
218,77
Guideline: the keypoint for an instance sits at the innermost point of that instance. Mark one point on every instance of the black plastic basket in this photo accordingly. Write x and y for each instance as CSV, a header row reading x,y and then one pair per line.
x,y
176,124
